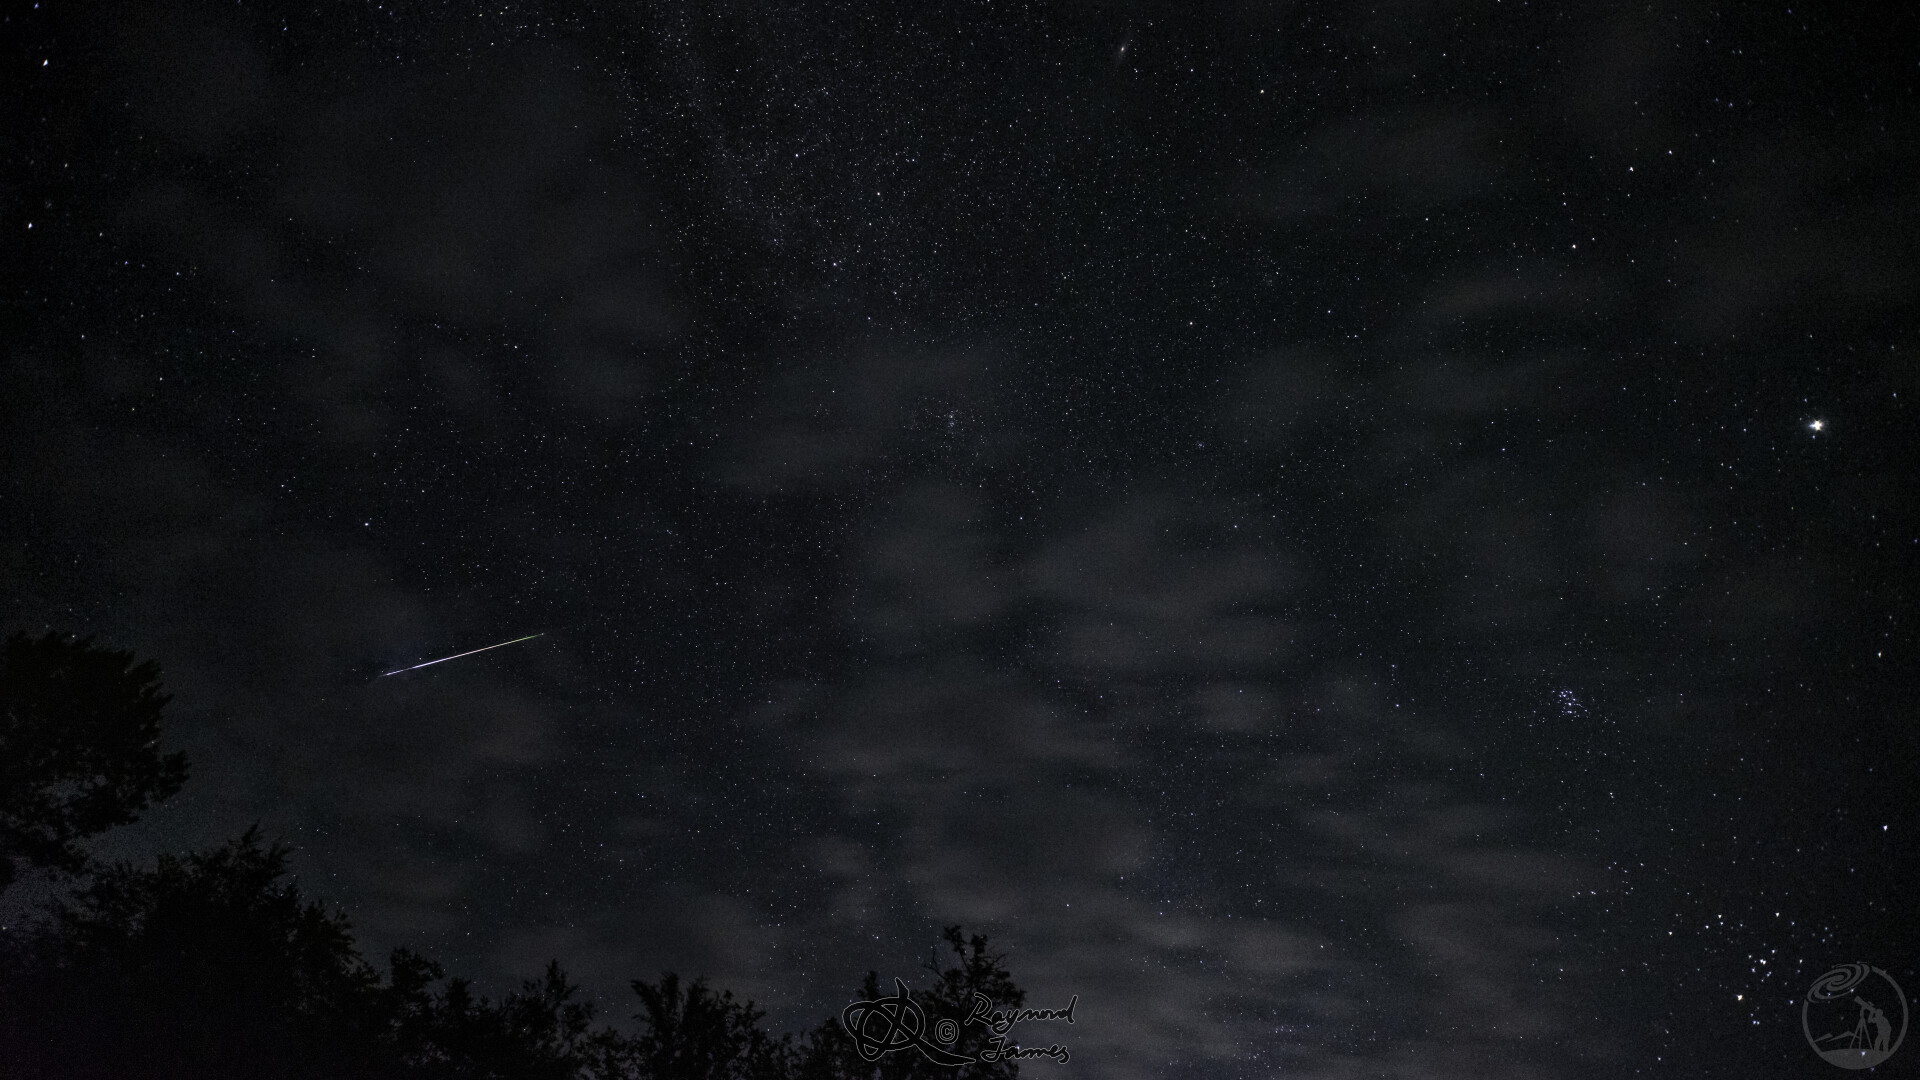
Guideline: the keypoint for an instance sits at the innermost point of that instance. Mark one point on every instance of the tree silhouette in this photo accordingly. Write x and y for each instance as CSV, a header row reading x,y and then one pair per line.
x,y
829,1052
697,1034
538,1033
208,965
79,734
212,965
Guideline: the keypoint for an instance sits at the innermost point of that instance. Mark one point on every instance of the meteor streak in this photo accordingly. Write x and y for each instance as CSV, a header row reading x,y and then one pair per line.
x,y
457,656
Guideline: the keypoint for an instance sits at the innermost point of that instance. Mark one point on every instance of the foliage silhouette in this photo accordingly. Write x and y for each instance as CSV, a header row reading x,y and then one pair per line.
x,y
697,1034
829,1052
79,734
213,965
701,1035
205,965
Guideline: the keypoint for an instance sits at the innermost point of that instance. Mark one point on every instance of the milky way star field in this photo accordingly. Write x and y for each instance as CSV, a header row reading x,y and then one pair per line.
x,y
1346,541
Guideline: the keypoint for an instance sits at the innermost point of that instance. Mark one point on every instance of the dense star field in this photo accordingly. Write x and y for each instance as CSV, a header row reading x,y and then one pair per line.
x,y
1359,540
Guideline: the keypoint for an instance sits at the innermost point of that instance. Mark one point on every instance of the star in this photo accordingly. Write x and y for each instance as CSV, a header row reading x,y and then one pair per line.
x,y
1818,425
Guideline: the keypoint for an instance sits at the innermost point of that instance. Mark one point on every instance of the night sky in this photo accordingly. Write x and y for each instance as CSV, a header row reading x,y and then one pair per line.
x,y
1361,540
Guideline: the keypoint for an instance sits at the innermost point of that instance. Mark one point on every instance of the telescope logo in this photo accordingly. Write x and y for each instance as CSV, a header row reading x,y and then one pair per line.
x,y
1854,1016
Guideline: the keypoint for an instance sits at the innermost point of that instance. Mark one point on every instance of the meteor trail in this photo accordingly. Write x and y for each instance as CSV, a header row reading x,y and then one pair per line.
x,y
457,656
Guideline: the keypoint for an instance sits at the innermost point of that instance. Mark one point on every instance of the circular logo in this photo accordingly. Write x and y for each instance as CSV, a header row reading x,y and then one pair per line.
x,y
1849,1016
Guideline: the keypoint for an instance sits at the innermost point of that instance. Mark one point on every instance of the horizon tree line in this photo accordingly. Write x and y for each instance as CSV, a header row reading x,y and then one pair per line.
x,y
214,964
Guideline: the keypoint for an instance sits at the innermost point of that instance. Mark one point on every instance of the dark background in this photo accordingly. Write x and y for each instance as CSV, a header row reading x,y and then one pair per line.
x,y
1303,523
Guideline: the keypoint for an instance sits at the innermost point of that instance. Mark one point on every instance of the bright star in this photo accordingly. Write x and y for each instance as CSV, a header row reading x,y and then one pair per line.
x,y
1818,425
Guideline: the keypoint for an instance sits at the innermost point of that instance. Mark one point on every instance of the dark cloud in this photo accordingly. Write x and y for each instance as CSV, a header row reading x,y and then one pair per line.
x,y
482,223
851,419
1431,158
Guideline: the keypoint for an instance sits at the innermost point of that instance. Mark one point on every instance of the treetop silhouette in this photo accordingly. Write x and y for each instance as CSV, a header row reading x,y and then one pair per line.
x,y
213,964
79,747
